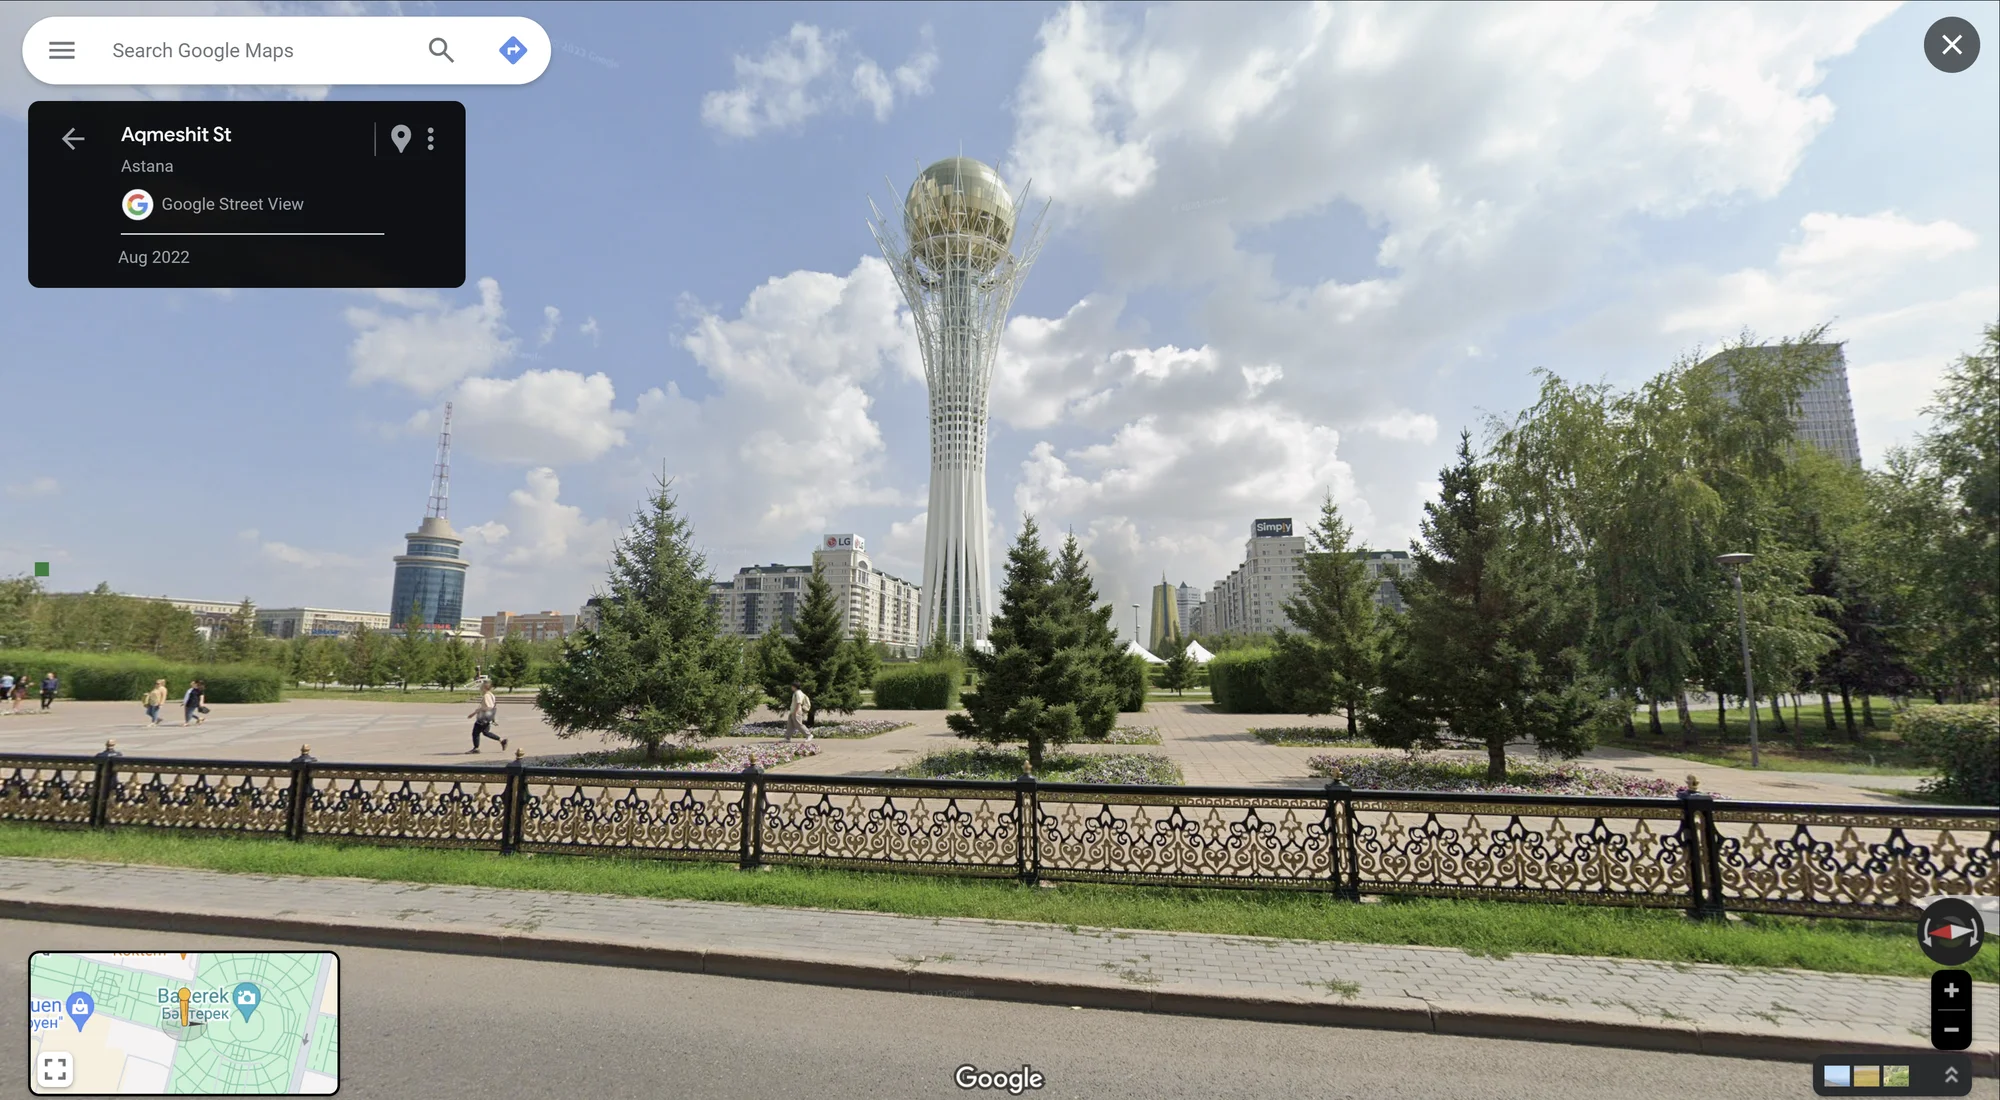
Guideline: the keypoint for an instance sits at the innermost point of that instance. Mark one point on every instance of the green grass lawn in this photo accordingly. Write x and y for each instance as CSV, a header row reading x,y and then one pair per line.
x,y
1483,928
1806,746
389,695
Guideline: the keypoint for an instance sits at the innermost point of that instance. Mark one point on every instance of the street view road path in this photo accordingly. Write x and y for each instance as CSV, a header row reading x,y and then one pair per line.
x,y
1210,748
448,1026
1692,1008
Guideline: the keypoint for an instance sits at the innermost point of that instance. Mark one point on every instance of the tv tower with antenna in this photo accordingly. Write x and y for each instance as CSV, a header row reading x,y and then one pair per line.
x,y
430,573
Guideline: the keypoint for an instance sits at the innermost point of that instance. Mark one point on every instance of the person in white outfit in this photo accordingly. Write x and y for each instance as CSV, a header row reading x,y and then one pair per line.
x,y
795,718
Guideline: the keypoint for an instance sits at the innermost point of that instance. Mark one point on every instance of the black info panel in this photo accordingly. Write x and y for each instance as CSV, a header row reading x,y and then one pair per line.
x,y
246,194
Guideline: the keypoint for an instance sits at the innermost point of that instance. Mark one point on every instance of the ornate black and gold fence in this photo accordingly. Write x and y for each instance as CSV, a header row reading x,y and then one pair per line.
x,y
1693,852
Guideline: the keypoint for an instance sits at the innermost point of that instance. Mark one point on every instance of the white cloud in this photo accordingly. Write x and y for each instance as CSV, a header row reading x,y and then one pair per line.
x,y
1817,277
540,418
551,320
429,344
1490,153
545,555
912,78
33,487
809,71
1407,427
787,440
546,531
589,328
287,554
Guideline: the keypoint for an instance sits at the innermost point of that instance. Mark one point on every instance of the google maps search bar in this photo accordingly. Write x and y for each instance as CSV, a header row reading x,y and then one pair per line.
x,y
285,50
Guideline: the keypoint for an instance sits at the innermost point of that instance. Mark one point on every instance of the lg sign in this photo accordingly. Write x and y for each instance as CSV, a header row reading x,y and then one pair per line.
x,y
1272,528
842,542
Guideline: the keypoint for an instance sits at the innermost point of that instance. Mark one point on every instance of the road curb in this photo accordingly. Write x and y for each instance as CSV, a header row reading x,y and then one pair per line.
x,y
1390,1013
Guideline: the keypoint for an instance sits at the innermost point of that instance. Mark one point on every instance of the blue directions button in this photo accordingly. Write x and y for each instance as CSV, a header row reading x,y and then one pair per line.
x,y
512,50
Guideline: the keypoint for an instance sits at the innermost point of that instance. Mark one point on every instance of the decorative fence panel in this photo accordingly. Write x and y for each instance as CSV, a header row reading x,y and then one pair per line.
x,y
222,796
433,807
1691,852
631,812
1617,851
909,825
1830,860
60,790
1190,836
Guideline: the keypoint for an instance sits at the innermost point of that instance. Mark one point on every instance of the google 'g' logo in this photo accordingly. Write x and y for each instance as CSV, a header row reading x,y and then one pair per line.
x,y
138,204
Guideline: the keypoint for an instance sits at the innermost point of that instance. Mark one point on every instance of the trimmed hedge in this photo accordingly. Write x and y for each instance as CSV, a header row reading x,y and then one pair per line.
x,y
1236,677
127,677
1963,744
1132,685
927,685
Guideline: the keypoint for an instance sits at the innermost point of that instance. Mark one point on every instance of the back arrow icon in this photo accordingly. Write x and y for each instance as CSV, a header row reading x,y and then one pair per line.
x,y
70,139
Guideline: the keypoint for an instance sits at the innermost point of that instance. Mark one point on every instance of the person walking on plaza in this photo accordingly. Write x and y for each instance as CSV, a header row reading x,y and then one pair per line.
x,y
795,718
192,704
20,693
49,686
6,685
482,716
155,699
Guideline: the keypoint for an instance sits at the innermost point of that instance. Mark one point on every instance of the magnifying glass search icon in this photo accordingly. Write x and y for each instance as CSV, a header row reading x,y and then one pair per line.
x,y
440,48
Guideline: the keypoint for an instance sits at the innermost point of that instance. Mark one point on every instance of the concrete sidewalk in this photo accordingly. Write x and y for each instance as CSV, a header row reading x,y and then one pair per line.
x,y
1773,1014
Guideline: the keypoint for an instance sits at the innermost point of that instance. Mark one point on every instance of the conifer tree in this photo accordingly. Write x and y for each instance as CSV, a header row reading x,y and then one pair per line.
x,y
822,660
1490,650
658,666
1334,660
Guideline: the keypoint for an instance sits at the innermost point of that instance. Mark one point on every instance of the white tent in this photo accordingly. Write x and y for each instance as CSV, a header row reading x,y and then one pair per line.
x,y
1199,655
1135,647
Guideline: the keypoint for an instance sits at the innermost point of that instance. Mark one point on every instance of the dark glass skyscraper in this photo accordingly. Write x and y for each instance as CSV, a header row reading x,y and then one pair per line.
x,y
430,574
430,577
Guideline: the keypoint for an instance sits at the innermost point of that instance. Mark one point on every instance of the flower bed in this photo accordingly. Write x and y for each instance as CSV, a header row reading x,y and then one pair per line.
x,y
1134,735
1308,735
835,729
728,758
1435,772
1005,765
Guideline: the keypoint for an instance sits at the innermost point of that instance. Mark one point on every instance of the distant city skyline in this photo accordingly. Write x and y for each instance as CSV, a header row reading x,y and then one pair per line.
x,y
1294,250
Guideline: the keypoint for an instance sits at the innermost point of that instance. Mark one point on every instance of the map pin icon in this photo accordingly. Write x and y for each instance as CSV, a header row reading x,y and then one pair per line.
x,y
79,1006
401,136
247,996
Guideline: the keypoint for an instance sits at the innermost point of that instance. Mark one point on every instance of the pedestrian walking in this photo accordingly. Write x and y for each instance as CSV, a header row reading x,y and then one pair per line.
x,y
20,693
6,686
49,686
795,718
192,704
155,699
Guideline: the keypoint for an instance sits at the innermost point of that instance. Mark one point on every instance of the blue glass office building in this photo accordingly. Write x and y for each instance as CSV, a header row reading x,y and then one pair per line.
x,y
430,577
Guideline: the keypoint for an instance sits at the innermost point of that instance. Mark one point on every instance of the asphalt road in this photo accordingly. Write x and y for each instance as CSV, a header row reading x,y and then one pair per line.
x,y
438,1026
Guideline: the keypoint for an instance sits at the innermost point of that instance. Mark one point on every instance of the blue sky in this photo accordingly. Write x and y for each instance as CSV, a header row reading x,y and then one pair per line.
x,y
1293,249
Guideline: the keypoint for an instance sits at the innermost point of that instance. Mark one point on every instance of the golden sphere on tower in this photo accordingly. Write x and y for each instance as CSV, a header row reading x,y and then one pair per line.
x,y
959,212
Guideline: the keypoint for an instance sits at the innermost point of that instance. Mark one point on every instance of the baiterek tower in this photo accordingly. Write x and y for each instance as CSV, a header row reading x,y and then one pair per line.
x,y
953,257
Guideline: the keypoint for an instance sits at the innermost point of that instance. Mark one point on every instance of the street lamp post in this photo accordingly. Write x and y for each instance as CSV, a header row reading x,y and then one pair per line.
x,y
1734,563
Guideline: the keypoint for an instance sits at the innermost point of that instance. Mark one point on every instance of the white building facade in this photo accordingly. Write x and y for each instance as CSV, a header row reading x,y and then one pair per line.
x,y
1251,599
760,595
318,622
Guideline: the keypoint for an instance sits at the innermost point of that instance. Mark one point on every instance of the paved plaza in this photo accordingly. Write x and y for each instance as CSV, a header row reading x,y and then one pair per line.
x,y
1211,748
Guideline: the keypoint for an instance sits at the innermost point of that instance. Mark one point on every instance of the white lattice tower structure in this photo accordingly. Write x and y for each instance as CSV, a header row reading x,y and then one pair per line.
x,y
952,253
440,505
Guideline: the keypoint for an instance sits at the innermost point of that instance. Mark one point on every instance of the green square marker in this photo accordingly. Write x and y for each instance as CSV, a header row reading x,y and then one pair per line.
x,y
41,569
